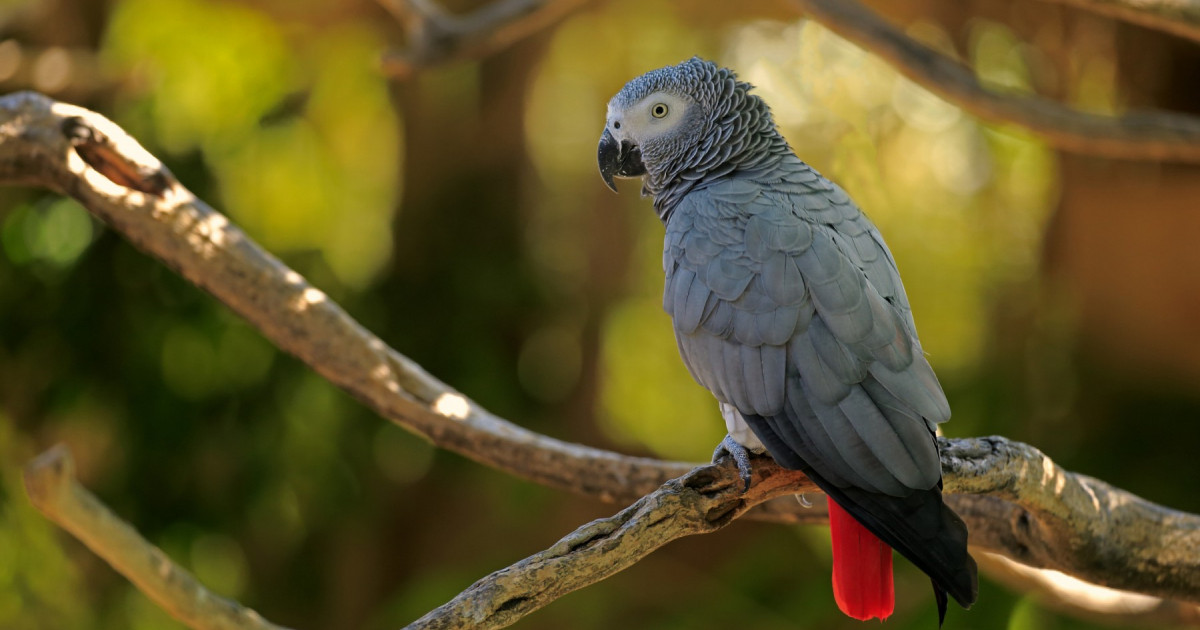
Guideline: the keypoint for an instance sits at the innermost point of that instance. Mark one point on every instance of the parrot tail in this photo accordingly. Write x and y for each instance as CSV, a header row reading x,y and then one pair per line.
x,y
862,568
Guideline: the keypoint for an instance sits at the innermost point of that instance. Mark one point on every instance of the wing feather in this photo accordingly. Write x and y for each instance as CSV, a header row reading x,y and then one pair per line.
x,y
788,307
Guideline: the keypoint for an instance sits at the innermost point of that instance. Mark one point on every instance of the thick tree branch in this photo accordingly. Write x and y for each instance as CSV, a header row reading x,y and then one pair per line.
x,y
1044,516
1063,520
86,156
435,36
1133,136
702,501
1035,512
51,486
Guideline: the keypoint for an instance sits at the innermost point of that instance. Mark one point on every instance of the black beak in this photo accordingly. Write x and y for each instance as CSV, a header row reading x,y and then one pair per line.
x,y
620,159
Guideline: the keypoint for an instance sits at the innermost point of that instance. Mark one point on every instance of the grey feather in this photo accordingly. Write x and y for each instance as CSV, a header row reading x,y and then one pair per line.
x,y
720,322
777,327
691,311
734,378
782,279
917,386
848,443
755,382
726,278
745,328
886,445
820,383
836,357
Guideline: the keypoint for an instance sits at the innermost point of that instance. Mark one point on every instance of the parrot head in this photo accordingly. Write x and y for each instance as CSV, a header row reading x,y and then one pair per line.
x,y
653,116
677,125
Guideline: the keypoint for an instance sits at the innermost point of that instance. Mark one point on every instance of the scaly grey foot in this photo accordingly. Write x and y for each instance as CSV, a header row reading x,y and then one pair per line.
x,y
739,454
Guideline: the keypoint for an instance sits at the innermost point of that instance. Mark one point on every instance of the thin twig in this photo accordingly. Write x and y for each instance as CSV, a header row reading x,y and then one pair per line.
x,y
436,37
51,485
1133,136
1178,17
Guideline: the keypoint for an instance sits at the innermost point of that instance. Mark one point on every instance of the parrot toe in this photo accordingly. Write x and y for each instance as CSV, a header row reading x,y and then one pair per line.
x,y
740,455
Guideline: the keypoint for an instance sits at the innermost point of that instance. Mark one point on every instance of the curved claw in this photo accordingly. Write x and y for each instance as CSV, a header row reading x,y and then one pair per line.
x,y
739,454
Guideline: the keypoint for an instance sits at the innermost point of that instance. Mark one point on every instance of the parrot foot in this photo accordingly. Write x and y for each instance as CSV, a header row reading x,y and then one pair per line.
x,y
740,455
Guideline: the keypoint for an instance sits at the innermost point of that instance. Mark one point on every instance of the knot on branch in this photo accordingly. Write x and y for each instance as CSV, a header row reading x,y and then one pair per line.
x,y
48,476
99,152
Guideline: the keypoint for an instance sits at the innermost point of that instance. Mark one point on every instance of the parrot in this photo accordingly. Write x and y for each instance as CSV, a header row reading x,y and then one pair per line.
x,y
788,307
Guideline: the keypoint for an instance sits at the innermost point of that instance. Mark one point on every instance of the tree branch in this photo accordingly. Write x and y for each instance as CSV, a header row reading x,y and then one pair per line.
x,y
1178,17
1035,512
436,37
704,500
1060,521
1088,601
1021,504
82,154
1133,136
51,485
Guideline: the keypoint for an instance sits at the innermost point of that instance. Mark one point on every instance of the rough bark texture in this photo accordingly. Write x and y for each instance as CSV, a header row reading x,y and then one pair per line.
x,y
1021,504
704,500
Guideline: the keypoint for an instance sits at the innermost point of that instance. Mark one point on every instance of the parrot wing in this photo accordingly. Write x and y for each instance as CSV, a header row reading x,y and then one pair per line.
x,y
788,306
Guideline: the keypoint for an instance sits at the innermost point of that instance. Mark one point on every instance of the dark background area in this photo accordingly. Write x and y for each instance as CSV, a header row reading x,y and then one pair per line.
x,y
458,214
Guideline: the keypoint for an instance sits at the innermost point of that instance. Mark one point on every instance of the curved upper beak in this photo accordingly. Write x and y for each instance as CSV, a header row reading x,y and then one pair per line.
x,y
621,159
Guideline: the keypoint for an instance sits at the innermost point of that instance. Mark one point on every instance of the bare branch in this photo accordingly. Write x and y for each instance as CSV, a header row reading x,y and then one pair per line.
x,y
1178,17
1059,508
435,36
84,155
51,486
1029,509
702,501
1133,136
1088,601
1035,512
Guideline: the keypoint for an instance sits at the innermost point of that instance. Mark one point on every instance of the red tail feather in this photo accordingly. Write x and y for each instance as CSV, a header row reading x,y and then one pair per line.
x,y
862,568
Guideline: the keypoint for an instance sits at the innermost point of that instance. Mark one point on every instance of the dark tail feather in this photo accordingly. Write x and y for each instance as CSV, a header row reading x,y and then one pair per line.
x,y
919,526
939,594
923,530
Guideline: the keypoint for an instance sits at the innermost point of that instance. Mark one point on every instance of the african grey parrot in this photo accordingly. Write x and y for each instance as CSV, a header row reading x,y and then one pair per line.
x,y
788,307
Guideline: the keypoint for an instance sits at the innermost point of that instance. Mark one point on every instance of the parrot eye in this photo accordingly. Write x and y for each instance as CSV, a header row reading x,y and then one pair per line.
x,y
659,110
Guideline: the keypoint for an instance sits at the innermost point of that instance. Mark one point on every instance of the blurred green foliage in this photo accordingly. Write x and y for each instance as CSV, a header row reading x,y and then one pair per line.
x,y
459,216
216,77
